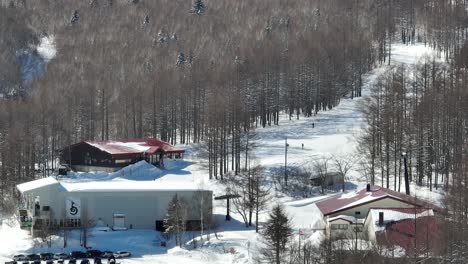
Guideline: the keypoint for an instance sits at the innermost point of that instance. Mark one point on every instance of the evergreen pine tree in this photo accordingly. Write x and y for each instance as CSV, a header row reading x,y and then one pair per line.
x,y
181,59
75,18
146,21
198,7
276,234
175,222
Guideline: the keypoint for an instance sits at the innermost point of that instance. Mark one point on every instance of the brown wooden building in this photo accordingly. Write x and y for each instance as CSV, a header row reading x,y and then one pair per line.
x,y
112,155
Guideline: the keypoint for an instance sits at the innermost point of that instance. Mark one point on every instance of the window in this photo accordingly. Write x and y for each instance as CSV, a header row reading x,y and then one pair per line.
x,y
357,228
339,226
73,223
117,161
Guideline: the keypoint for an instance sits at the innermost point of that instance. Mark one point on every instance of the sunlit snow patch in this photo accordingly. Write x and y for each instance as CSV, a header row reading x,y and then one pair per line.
x,y
47,48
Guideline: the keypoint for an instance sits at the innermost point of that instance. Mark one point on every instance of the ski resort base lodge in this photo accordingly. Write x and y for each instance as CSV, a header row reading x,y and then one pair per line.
x,y
118,205
112,155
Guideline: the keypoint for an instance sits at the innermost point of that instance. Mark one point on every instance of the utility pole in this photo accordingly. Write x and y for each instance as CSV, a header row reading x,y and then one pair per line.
x,y
286,145
405,161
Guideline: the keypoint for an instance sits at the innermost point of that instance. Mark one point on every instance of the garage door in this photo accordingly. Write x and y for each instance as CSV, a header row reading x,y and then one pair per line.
x,y
119,222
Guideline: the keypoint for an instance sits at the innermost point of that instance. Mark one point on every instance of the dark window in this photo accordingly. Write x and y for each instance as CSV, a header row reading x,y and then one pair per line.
x,y
339,226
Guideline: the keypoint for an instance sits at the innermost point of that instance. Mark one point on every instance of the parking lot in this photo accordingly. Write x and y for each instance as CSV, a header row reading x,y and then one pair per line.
x,y
75,257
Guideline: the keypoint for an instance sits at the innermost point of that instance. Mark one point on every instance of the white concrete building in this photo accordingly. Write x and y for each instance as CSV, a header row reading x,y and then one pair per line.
x,y
113,204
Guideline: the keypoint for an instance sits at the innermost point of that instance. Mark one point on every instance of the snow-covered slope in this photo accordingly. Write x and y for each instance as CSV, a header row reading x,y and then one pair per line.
x,y
334,133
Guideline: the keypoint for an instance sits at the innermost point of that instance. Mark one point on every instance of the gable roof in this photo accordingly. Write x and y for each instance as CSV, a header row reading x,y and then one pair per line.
x,y
357,198
133,146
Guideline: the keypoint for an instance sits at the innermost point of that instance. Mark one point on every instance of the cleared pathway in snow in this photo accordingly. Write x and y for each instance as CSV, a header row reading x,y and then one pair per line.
x,y
335,131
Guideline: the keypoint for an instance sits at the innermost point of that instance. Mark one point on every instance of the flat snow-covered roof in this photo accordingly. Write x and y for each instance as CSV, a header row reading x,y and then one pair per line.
x,y
32,185
128,186
109,186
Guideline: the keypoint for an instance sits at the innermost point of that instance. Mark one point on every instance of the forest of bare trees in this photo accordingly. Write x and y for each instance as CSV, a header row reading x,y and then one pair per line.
x,y
157,69
211,73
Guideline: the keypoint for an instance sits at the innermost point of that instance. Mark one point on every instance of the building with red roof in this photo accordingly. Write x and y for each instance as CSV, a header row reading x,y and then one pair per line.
x,y
111,155
356,215
414,230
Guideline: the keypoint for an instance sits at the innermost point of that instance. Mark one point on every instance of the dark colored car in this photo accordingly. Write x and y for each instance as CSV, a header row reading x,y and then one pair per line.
x,y
11,262
97,261
61,256
72,261
49,261
85,261
20,257
93,253
36,262
46,256
60,261
78,255
34,257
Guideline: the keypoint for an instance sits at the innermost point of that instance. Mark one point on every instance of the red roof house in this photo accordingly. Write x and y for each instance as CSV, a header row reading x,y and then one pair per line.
x,y
366,198
414,230
111,155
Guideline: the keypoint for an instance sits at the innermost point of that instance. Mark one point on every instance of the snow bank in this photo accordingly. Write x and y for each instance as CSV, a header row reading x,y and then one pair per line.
x,y
140,171
12,240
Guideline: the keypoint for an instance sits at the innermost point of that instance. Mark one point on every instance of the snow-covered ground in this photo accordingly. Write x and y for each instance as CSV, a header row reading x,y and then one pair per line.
x,y
334,133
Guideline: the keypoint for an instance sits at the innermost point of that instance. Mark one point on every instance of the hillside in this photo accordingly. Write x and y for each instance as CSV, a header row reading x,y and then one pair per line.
x,y
274,102
335,132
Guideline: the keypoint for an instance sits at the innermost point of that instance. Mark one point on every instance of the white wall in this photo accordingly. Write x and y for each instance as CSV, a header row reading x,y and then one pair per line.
x,y
141,209
364,209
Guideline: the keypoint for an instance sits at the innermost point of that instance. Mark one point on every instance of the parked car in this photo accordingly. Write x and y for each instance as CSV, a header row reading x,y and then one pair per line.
x,y
97,261
20,257
37,261
72,261
11,262
60,256
93,253
106,254
46,256
49,261
34,257
85,261
78,255
60,261
122,254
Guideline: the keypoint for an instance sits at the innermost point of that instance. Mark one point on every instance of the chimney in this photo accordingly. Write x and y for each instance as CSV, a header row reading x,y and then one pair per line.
x,y
368,187
381,218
